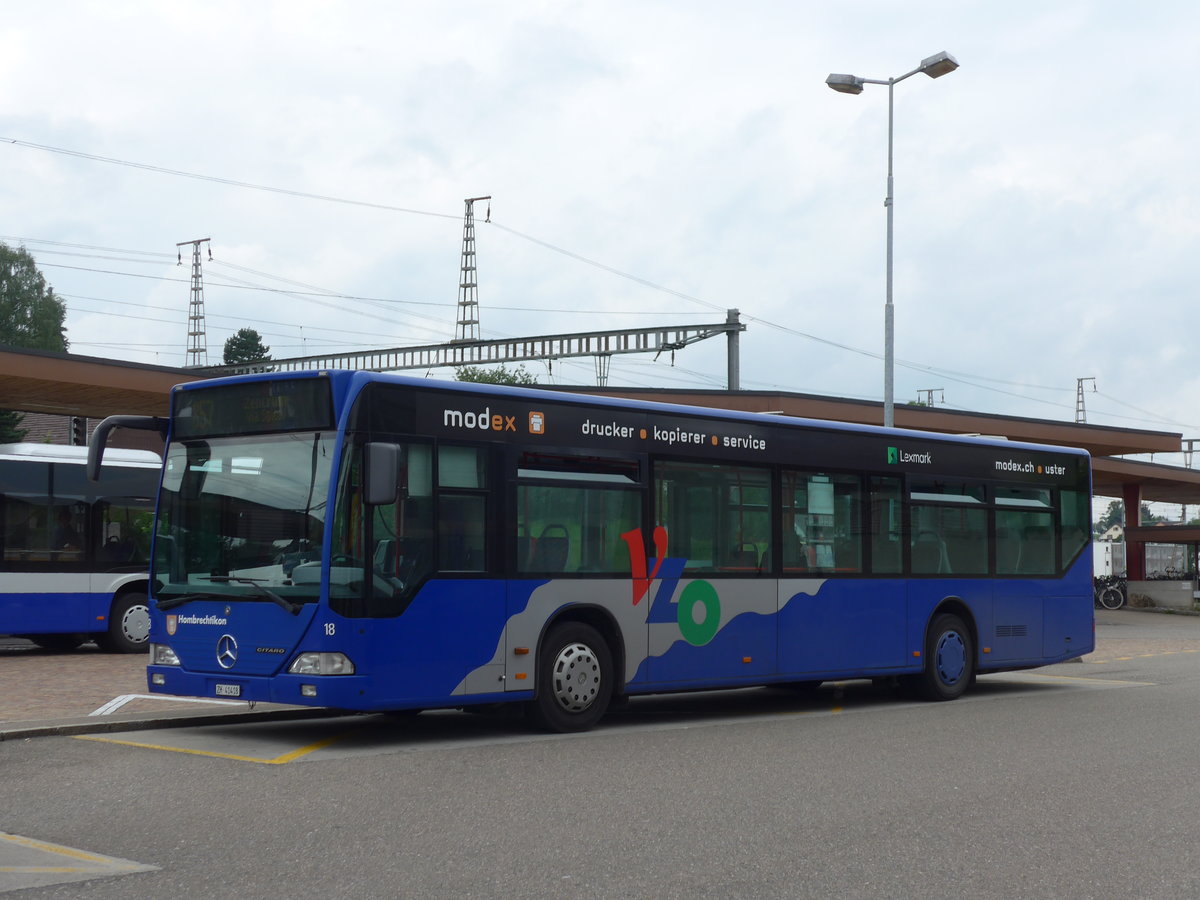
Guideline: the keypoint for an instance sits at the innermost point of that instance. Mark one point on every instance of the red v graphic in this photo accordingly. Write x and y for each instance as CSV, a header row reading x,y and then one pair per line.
x,y
637,559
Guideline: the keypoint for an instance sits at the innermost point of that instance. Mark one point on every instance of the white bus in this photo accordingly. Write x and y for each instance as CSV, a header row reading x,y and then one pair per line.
x,y
75,554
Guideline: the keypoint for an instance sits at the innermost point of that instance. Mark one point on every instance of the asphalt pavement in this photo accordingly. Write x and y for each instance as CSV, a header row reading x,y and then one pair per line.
x,y
89,691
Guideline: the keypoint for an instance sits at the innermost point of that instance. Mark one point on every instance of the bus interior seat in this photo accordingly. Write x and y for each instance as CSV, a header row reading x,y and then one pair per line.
x,y
414,559
550,551
746,557
457,554
929,554
795,554
385,559
885,556
1008,552
117,550
1037,552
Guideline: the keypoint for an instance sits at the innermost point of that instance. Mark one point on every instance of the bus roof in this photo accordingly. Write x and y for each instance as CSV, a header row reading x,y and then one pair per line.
x,y
63,453
343,379
566,396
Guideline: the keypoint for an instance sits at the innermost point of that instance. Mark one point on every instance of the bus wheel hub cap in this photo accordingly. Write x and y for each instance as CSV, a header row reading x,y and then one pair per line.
x,y
576,677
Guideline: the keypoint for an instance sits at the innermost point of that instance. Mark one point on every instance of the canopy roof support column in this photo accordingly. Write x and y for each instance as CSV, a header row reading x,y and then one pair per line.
x,y
1135,551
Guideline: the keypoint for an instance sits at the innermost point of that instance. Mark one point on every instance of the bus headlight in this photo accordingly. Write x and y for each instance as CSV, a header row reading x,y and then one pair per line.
x,y
162,655
321,664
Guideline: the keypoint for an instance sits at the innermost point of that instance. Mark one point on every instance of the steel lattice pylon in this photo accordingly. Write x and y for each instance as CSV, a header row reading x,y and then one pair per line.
x,y
467,328
197,351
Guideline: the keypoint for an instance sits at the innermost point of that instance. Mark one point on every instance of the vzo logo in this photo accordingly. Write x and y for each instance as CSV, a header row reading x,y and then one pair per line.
x,y
698,612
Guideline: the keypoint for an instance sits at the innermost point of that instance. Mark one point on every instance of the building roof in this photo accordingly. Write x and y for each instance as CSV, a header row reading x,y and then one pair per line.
x,y
68,384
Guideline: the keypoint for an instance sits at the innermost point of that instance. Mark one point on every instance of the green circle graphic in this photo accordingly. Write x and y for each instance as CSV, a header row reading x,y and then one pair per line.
x,y
699,633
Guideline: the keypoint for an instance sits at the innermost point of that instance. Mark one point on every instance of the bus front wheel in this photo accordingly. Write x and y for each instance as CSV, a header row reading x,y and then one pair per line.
x,y
128,624
949,660
574,679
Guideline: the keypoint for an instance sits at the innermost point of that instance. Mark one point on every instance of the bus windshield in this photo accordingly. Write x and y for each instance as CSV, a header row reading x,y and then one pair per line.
x,y
243,518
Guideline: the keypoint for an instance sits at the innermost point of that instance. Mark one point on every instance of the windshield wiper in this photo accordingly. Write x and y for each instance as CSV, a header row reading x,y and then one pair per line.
x,y
293,608
172,602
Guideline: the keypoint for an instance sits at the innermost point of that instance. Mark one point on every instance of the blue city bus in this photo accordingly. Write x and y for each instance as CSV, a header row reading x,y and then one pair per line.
x,y
375,542
74,553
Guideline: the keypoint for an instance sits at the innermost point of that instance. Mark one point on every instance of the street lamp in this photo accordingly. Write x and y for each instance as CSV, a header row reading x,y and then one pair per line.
x,y
935,67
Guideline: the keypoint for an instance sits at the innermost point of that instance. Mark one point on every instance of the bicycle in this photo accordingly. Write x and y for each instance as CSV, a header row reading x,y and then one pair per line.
x,y
1109,591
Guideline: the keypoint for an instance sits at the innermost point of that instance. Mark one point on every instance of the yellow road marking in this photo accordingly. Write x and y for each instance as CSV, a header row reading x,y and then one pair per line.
x,y
53,848
1091,680
43,870
1097,662
288,757
108,863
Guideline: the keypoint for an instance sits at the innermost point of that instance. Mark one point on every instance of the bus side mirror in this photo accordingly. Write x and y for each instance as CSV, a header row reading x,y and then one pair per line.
x,y
100,437
381,472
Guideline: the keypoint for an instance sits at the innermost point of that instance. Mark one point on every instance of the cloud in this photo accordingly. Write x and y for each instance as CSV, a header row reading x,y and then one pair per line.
x,y
1045,216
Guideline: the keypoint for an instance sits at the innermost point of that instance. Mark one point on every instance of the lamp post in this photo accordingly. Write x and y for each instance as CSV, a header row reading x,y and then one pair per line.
x,y
935,67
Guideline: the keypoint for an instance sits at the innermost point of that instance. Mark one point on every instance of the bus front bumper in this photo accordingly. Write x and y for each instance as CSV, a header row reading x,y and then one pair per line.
x,y
339,691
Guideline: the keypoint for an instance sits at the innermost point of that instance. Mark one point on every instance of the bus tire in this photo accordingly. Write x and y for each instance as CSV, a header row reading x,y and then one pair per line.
x,y
574,679
128,624
949,660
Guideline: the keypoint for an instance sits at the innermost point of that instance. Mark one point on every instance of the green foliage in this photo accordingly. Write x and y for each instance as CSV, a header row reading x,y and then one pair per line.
x,y
31,318
11,431
498,375
1149,518
245,347
1114,515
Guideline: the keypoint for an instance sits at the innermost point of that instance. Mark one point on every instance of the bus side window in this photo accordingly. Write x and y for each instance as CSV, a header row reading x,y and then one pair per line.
x,y
461,545
1075,517
885,525
717,517
572,513
822,522
462,509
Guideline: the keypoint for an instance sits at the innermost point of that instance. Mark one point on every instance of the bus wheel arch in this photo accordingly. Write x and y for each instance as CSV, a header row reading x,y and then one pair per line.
x,y
949,653
128,620
579,657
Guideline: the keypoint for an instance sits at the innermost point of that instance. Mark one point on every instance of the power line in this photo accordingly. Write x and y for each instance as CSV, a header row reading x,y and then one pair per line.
x,y
228,181
965,378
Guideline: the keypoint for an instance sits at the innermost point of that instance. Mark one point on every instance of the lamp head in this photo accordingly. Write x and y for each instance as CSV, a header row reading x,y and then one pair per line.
x,y
845,84
938,65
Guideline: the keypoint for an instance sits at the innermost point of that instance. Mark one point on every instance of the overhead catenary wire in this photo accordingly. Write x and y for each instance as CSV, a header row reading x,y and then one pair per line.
x,y
977,381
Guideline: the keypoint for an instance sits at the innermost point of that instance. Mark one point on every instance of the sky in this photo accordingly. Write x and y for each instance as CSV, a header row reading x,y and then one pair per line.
x,y
650,164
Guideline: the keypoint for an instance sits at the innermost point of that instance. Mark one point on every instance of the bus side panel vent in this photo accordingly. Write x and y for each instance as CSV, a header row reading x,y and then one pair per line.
x,y
1012,631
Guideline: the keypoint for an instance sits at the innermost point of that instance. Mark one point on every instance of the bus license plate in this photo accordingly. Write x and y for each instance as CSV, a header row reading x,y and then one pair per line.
x,y
229,690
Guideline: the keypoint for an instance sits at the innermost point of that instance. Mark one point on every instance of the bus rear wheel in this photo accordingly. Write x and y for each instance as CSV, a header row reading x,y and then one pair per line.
x,y
574,679
128,624
949,660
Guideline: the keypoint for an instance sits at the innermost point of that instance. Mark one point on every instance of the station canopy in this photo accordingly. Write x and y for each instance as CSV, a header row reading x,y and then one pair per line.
x,y
72,385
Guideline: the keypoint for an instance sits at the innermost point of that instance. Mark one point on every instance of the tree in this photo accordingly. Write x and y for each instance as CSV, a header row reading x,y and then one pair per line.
x,y
1114,515
1149,518
498,375
246,347
11,431
31,318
